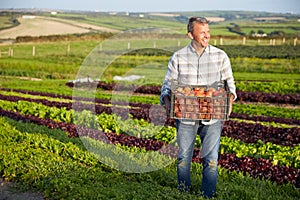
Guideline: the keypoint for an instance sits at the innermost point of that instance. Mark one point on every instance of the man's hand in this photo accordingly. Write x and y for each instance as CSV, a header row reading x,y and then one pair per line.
x,y
167,101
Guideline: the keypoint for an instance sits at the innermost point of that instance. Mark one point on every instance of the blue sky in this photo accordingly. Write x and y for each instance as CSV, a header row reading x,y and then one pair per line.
x,y
279,6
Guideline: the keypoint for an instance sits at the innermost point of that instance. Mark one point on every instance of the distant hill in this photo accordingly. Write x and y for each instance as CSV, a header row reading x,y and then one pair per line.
x,y
32,25
227,23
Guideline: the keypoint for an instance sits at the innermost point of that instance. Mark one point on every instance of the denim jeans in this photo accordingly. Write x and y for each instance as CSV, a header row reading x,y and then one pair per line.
x,y
210,142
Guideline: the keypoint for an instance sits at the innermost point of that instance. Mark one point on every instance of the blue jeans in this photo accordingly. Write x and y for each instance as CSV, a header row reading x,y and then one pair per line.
x,y
210,140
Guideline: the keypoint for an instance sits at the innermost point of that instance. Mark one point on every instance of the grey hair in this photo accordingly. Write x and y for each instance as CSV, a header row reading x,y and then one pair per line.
x,y
193,20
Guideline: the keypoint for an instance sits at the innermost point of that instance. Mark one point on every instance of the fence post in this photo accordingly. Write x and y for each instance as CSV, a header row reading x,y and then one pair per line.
x,y
221,41
244,40
33,50
128,45
295,42
178,43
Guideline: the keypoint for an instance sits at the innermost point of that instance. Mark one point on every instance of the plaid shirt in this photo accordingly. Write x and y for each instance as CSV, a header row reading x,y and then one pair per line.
x,y
187,67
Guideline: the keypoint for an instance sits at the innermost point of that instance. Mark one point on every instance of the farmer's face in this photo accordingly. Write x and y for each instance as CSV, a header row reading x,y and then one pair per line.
x,y
201,34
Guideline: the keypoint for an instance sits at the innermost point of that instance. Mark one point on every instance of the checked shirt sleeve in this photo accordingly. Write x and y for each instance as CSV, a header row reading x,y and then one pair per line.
x,y
171,74
228,76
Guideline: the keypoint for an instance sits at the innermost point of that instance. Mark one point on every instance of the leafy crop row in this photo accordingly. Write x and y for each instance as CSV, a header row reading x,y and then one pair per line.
x,y
155,90
277,87
283,51
261,118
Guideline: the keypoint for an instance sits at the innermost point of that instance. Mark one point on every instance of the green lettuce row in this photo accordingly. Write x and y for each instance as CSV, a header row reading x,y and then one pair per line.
x,y
280,87
280,155
266,111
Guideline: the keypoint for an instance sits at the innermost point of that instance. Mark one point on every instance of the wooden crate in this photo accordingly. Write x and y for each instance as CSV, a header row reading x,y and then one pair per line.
x,y
200,102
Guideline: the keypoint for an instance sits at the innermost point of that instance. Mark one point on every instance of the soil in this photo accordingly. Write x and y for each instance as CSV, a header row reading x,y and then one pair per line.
x,y
9,191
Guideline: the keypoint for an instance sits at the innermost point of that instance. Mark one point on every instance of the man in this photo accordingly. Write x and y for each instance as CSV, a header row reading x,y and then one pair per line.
x,y
198,64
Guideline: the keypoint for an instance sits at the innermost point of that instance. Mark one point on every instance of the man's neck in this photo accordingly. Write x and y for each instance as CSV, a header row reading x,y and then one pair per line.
x,y
198,47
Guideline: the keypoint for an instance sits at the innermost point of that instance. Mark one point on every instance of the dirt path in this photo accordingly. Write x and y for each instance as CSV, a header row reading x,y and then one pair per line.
x,y
9,191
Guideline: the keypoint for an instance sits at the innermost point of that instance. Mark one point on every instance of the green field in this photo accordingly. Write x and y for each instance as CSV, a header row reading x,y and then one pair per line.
x,y
48,160
53,64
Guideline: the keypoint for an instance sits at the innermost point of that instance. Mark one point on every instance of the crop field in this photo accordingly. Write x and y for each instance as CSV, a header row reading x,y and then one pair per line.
x,y
103,138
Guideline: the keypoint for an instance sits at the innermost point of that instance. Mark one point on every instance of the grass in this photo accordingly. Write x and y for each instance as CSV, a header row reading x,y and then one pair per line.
x,y
51,61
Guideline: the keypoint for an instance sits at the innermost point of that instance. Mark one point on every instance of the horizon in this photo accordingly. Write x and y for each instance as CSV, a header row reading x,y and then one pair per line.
x,y
73,10
166,6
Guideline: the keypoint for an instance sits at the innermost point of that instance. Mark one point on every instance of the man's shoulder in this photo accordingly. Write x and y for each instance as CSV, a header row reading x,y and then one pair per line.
x,y
183,49
213,49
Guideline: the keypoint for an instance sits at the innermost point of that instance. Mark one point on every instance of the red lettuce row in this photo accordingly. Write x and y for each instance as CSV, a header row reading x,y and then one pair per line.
x,y
251,133
261,118
95,100
261,168
269,97
36,93
155,90
293,99
256,168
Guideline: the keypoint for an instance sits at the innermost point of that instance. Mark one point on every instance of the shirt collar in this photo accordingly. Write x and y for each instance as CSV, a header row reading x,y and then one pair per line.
x,y
192,49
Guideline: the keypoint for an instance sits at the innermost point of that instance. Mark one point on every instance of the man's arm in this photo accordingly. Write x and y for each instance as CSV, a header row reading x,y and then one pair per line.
x,y
171,74
228,76
167,101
